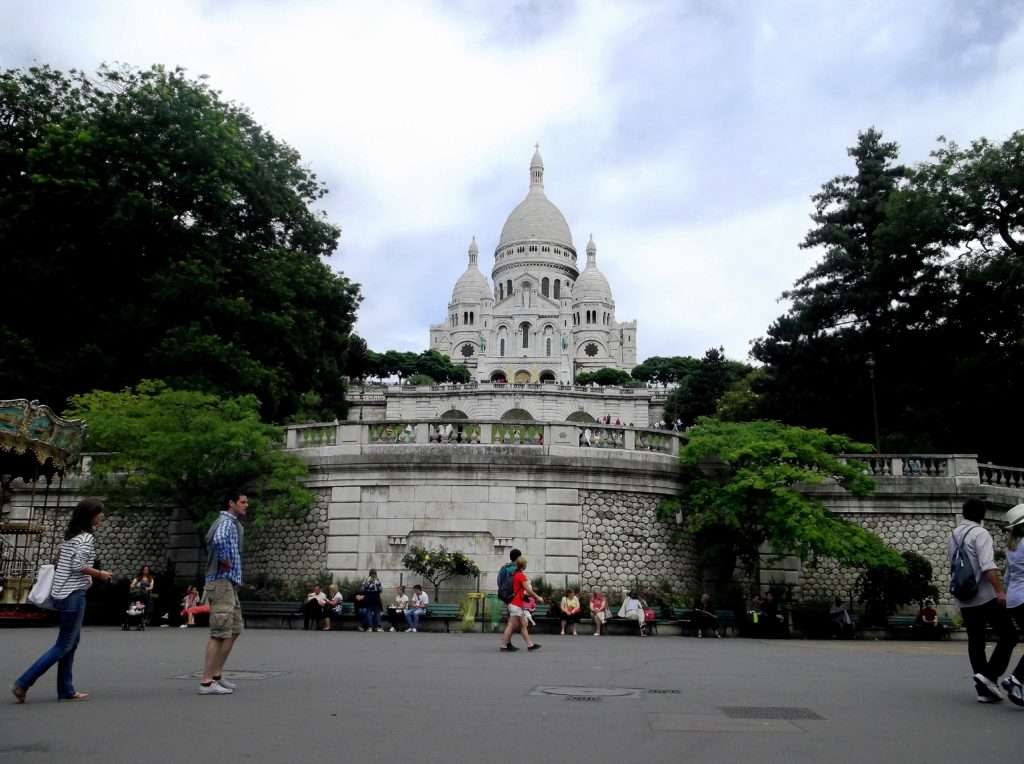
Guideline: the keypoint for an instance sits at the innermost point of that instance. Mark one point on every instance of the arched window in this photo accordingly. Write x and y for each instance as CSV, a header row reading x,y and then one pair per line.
x,y
465,316
557,283
508,288
547,345
524,328
544,284
471,318
501,347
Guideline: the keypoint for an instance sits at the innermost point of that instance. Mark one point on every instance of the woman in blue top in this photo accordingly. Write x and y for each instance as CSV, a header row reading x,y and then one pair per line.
x,y
72,576
1014,683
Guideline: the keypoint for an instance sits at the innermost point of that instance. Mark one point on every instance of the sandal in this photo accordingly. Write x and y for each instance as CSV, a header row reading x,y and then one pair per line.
x,y
19,693
78,696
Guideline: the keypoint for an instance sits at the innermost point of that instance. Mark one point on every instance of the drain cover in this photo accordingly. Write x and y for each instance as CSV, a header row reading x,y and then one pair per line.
x,y
584,698
664,692
588,692
769,712
231,676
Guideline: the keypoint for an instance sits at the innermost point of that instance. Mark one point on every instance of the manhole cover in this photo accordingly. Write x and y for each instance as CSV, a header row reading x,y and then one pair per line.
x,y
664,692
588,692
584,698
769,712
231,676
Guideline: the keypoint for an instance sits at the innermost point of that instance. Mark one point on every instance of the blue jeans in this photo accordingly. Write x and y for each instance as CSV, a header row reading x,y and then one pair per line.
x,y
71,612
370,617
412,617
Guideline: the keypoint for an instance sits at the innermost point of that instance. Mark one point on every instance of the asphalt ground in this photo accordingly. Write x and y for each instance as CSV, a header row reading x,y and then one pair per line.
x,y
349,696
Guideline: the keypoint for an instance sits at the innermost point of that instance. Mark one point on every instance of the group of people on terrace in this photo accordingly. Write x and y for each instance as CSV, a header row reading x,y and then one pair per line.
x,y
404,612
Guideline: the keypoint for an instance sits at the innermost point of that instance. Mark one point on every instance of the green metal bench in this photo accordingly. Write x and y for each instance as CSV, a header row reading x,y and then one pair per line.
x,y
443,611
683,617
285,611
907,625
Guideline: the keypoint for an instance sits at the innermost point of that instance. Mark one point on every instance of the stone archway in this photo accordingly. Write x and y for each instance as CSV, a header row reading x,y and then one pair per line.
x,y
517,415
499,376
454,414
580,416
522,377
548,377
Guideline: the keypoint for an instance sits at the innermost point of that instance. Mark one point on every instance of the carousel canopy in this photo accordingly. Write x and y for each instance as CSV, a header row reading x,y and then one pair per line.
x,y
35,442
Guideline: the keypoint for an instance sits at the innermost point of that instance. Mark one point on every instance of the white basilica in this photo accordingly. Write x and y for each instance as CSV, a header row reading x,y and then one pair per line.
x,y
543,320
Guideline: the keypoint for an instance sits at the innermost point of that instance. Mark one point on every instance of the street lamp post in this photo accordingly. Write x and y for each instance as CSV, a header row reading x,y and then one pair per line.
x,y
874,400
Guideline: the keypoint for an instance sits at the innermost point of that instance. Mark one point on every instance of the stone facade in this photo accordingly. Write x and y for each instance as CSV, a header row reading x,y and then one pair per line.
x,y
625,543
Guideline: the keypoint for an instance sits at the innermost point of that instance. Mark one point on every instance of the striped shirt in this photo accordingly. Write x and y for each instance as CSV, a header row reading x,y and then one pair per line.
x,y
75,553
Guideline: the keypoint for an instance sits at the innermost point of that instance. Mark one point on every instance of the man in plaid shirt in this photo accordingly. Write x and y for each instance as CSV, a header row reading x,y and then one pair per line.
x,y
223,578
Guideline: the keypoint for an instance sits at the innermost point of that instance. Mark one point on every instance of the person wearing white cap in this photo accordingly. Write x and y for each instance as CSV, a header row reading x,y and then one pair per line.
x,y
1014,683
981,599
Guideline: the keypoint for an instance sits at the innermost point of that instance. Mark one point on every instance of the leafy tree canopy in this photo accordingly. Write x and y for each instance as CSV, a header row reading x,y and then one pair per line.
x,y
698,393
915,262
429,364
665,371
185,449
742,488
155,230
438,565
605,377
884,590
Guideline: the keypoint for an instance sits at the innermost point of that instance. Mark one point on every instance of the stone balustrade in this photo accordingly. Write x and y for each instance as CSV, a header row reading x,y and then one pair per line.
x,y
550,438
1006,477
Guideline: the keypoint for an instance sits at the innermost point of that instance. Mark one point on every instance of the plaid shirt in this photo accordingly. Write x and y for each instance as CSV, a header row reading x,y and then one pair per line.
x,y
226,545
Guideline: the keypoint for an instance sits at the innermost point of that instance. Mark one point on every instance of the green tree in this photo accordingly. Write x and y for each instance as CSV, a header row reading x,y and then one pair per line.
x,y
157,231
743,487
741,402
605,377
438,565
699,392
884,589
185,449
666,370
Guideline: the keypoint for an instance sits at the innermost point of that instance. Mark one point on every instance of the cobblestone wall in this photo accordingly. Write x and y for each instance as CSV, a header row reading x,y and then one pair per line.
x,y
623,540
289,549
927,535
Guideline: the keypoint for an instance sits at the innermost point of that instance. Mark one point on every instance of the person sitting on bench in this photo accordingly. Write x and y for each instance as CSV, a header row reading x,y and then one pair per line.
x,y
704,617
571,610
314,611
417,608
396,611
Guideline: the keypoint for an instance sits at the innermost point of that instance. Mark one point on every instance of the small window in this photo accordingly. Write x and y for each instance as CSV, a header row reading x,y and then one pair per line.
x,y
501,347
557,284
547,344
545,284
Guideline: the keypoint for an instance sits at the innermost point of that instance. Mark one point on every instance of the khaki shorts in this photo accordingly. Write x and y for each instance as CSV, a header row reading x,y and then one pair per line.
x,y
514,611
225,609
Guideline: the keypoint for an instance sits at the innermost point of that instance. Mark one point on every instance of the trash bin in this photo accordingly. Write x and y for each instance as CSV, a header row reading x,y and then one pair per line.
x,y
494,606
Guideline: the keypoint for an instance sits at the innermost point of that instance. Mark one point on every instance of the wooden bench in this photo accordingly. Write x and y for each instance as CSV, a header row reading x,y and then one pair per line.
x,y
285,611
907,625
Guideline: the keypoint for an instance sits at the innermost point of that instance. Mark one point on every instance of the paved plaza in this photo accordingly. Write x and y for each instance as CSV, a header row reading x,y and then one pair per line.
x,y
309,696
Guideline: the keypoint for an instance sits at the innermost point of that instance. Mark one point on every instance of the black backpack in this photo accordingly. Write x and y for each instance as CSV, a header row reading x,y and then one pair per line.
x,y
505,591
962,583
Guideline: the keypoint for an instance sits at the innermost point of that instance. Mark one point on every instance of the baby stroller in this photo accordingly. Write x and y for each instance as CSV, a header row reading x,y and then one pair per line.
x,y
135,616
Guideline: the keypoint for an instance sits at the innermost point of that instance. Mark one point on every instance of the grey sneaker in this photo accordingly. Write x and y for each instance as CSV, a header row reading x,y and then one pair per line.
x,y
213,688
225,683
987,689
1014,689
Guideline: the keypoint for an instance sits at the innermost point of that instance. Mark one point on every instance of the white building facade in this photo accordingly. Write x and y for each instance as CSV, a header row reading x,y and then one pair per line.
x,y
539,319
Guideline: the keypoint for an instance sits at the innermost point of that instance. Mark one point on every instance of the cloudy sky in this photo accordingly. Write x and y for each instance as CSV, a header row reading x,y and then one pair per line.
x,y
686,136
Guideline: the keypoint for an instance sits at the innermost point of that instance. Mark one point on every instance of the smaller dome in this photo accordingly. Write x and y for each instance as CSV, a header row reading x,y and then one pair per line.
x,y
472,285
592,286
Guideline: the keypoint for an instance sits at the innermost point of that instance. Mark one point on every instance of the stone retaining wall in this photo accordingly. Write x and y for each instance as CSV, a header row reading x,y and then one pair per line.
x,y
289,549
624,542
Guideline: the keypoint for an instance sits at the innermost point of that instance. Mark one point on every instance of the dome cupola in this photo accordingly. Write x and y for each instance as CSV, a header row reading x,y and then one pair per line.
x,y
592,286
535,218
472,285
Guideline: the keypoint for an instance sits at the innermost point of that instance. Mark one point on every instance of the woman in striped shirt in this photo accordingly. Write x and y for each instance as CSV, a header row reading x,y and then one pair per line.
x,y
74,574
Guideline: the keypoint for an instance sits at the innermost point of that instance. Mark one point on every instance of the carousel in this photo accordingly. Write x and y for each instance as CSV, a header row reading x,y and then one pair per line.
x,y
37,450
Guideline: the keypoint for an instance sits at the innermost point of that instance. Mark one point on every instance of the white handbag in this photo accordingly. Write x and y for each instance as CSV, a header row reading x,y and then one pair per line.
x,y
40,594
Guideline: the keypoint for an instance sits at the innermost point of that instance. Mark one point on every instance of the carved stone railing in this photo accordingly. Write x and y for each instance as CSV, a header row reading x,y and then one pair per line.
x,y
904,465
1006,477
553,437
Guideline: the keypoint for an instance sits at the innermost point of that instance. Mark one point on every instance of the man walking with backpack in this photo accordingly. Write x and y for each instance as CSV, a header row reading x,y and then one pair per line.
x,y
978,589
505,575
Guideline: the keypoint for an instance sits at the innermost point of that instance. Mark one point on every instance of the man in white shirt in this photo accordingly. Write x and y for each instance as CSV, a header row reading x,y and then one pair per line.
x,y
987,607
417,607
396,611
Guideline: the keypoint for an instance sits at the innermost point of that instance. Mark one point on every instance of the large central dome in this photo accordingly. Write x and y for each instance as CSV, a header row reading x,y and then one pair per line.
x,y
536,217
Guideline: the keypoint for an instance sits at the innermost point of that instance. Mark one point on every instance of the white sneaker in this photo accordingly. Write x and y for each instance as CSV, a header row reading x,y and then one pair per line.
x,y
987,688
214,689
225,683
391,629
183,626
412,631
